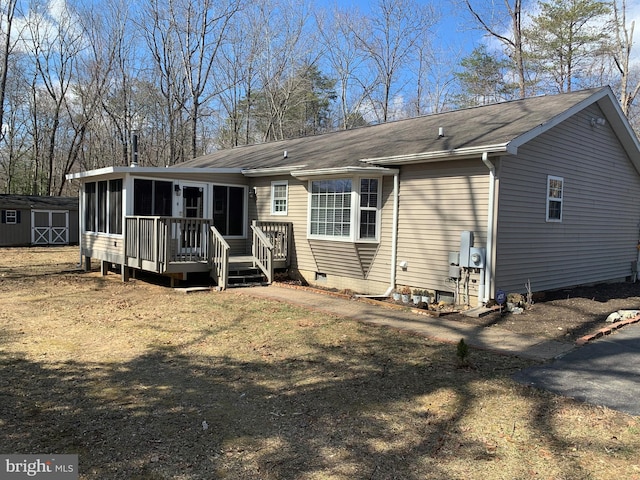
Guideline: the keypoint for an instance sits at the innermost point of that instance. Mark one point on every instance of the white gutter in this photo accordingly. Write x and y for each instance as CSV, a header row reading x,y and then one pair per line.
x,y
442,154
394,235
165,171
304,174
269,171
487,279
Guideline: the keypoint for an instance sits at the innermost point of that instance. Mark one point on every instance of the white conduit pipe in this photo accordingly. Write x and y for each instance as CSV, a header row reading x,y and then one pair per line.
x,y
484,296
394,236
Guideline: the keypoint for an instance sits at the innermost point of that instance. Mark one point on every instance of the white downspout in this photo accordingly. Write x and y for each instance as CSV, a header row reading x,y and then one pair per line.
x,y
487,278
80,222
394,235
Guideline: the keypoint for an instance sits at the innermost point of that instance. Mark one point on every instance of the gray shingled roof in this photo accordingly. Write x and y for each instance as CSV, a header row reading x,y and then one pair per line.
x,y
20,202
463,129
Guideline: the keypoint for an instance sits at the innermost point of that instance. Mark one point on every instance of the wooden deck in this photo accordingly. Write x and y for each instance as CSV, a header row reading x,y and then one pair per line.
x,y
172,245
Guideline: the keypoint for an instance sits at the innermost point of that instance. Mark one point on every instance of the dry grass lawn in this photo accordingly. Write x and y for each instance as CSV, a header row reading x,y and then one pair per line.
x,y
144,382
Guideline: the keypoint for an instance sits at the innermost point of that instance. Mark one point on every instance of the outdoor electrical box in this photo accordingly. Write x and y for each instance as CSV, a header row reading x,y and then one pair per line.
x,y
476,257
466,242
454,265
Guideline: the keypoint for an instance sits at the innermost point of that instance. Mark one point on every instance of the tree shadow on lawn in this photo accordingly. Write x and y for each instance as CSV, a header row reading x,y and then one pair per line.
x,y
368,410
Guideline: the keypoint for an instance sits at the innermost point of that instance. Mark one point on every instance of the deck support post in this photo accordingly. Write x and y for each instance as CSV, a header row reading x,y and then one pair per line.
x,y
87,263
124,272
104,268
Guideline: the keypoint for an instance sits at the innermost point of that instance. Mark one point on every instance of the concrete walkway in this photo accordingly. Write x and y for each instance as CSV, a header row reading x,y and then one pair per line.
x,y
436,328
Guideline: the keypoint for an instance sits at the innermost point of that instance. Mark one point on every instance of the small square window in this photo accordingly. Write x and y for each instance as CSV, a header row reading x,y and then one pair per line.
x,y
11,217
555,186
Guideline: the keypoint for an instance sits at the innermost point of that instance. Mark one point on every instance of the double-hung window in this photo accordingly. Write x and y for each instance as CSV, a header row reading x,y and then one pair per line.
x,y
279,194
555,186
369,208
345,208
10,217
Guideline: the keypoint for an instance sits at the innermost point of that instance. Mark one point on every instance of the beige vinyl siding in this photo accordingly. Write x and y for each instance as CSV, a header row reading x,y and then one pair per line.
x,y
438,202
296,213
362,266
597,237
103,247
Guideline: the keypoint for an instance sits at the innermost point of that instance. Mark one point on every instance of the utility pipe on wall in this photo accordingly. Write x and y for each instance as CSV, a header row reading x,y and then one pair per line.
x,y
394,235
486,282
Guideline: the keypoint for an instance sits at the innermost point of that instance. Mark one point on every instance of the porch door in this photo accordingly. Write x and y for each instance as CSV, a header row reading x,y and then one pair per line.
x,y
193,202
194,233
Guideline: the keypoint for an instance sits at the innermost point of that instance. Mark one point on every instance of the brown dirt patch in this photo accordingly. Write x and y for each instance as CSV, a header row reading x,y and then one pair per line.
x,y
567,314
144,382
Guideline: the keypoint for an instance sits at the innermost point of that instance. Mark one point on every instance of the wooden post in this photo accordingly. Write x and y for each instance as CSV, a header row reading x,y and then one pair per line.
x,y
104,268
87,263
124,272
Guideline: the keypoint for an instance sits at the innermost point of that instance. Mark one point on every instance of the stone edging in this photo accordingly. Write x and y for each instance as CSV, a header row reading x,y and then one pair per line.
x,y
607,330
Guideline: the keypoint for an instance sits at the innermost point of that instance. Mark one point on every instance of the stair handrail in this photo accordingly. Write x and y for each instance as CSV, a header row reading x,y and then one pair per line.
x,y
219,258
262,251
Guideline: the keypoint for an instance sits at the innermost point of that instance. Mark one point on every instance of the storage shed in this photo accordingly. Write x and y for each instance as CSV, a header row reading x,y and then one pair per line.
x,y
37,220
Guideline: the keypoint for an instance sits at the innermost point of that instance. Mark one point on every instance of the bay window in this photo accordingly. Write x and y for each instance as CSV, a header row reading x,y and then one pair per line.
x,y
340,211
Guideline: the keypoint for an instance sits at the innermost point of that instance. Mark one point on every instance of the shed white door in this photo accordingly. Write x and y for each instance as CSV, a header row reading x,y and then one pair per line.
x,y
49,227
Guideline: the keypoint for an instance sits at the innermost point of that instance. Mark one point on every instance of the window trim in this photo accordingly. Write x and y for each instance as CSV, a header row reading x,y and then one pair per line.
x,y
355,210
245,207
280,183
550,198
105,211
11,213
377,209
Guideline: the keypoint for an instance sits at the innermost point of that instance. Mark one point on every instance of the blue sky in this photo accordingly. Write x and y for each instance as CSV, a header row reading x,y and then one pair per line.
x,y
456,26
454,29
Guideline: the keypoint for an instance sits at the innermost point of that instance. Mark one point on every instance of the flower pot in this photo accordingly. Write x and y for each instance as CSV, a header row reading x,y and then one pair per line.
x,y
416,299
425,299
405,298
397,297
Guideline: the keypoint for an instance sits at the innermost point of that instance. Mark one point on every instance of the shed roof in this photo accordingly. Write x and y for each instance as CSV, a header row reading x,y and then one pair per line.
x,y
22,202
500,127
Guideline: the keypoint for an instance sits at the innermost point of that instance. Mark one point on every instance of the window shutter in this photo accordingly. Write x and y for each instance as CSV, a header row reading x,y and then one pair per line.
x,y
4,216
18,216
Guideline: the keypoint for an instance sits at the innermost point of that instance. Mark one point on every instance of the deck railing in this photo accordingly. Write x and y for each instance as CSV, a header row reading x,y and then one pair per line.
x,y
146,242
219,258
152,243
279,233
173,245
262,251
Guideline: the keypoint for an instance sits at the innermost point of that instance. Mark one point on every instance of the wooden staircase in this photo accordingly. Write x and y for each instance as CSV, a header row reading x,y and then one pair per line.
x,y
243,272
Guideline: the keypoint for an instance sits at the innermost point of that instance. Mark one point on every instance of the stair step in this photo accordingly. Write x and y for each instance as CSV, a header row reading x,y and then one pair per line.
x,y
245,277
253,284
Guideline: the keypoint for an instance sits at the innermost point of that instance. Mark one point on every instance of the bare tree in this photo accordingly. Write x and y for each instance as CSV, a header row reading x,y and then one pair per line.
x,y
509,33
54,39
158,30
289,46
8,38
200,28
354,82
621,54
239,72
389,38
